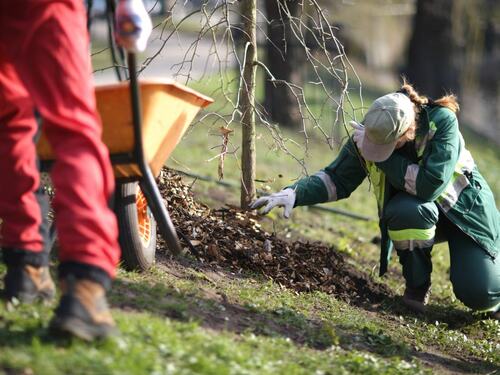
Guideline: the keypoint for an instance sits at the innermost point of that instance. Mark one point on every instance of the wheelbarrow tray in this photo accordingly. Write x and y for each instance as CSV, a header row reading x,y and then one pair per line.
x,y
167,110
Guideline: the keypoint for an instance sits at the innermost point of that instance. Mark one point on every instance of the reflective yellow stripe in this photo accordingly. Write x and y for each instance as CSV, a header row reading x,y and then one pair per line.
x,y
422,143
377,179
412,234
458,182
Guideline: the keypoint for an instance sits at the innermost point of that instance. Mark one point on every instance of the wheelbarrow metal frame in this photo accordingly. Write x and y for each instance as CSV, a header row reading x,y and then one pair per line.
x,y
147,181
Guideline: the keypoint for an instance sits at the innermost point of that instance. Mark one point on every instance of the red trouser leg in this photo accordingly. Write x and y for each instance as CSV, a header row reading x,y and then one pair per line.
x,y
18,172
48,44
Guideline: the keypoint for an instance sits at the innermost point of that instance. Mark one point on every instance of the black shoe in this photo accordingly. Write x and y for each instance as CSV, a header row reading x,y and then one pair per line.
x,y
495,315
417,298
83,310
28,284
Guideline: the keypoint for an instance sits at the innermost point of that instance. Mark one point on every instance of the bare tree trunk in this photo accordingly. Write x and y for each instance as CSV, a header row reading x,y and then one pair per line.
x,y
247,103
285,60
166,7
432,59
489,72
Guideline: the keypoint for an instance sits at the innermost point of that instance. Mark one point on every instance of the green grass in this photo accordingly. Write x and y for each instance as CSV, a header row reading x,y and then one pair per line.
x,y
181,320
179,348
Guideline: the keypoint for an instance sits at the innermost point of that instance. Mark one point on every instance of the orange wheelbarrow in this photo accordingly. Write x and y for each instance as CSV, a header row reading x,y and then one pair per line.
x,y
142,124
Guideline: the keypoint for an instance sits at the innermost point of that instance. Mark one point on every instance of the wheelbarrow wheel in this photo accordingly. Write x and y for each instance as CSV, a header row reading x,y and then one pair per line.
x,y
137,227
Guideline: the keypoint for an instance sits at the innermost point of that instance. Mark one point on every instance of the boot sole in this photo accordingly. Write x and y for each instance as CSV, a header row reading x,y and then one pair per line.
x,y
80,329
415,306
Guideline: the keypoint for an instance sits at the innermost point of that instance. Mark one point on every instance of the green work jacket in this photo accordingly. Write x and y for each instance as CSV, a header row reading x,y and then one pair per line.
x,y
436,167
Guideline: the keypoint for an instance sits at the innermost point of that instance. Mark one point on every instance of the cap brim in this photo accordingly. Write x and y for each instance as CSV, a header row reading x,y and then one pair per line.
x,y
377,153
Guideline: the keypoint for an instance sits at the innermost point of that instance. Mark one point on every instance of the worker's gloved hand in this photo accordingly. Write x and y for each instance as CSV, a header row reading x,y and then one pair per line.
x,y
284,198
133,25
358,134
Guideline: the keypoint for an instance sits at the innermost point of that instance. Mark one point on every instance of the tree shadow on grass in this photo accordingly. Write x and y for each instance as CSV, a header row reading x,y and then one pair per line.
x,y
378,342
213,311
454,318
21,331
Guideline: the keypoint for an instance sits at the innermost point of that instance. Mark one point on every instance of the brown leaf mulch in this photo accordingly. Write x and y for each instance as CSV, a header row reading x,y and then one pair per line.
x,y
234,238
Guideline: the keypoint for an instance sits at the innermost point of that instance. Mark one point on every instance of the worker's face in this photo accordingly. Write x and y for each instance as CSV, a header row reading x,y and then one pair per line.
x,y
401,141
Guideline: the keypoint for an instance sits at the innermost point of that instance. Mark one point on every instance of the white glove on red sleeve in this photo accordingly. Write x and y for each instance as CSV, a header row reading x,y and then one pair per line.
x,y
284,198
133,25
358,134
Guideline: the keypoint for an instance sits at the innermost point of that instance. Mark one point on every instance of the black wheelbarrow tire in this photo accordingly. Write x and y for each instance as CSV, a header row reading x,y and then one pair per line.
x,y
137,227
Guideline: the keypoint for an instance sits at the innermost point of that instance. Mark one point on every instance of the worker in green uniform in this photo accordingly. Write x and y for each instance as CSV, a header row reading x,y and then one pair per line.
x,y
428,189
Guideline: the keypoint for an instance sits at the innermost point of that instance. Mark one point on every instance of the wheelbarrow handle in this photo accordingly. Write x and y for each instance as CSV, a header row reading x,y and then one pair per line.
x,y
147,181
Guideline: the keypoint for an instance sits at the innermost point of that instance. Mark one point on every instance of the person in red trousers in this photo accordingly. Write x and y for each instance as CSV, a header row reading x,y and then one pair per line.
x,y
45,66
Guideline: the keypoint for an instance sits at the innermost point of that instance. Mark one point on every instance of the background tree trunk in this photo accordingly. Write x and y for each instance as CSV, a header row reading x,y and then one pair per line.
x,y
166,7
432,58
247,102
490,67
285,60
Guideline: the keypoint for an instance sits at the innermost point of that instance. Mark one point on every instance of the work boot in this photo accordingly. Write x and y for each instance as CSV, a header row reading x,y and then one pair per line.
x,y
495,315
417,298
28,284
83,310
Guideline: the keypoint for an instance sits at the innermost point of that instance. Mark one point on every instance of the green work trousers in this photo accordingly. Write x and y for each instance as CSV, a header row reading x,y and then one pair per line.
x,y
415,225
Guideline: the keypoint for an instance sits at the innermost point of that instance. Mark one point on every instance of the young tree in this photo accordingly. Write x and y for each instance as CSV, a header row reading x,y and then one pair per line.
x,y
224,52
247,102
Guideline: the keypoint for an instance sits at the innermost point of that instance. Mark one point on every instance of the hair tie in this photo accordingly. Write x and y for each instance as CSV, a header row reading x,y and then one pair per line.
x,y
404,92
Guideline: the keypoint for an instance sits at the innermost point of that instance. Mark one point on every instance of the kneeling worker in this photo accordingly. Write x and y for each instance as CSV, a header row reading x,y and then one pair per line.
x,y
425,182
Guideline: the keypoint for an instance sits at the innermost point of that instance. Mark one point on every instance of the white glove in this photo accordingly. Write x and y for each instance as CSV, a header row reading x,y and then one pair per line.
x,y
284,198
358,134
133,25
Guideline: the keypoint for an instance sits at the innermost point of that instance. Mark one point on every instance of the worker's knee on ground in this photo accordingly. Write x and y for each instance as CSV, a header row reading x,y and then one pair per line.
x,y
406,211
478,292
474,274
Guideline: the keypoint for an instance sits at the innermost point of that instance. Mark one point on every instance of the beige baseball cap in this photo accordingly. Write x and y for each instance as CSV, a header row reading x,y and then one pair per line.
x,y
388,118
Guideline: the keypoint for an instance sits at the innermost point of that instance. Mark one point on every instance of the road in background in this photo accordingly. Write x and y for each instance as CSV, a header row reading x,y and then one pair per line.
x,y
169,61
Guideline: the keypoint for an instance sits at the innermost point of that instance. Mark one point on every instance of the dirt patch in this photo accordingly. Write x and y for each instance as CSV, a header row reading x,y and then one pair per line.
x,y
234,238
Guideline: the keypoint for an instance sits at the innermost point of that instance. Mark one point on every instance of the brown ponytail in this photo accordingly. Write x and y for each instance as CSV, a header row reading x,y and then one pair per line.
x,y
448,101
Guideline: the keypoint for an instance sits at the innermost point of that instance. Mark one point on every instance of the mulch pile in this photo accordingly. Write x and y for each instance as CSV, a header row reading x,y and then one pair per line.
x,y
233,238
